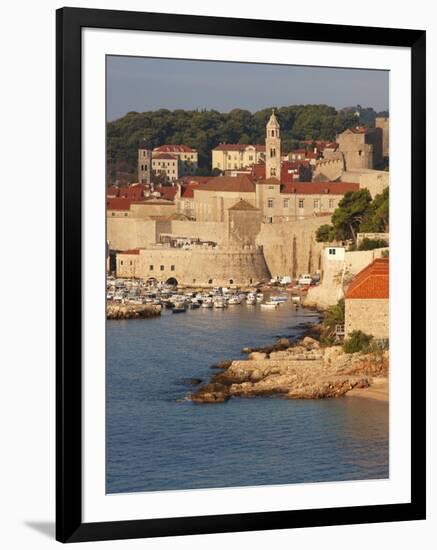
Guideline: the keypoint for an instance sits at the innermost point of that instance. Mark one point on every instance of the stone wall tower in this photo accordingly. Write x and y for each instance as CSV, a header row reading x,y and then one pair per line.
x,y
273,148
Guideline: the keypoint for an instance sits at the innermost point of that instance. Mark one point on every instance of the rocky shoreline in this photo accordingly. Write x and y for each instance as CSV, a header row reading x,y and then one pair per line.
x,y
132,311
304,370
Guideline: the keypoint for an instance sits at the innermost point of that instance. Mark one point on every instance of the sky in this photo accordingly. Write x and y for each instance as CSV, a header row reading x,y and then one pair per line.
x,y
147,84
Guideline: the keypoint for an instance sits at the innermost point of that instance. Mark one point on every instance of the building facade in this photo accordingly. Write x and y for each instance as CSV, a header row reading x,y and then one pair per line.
x,y
172,161
236,156
361,147
383,122
367,301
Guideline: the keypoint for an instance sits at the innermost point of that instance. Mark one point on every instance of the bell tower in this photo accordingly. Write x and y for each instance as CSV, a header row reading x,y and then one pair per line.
x,y
273,148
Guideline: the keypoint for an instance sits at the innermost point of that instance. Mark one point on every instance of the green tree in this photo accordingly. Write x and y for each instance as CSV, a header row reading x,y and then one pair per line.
x,y
351,212
377,220
325,233
357,341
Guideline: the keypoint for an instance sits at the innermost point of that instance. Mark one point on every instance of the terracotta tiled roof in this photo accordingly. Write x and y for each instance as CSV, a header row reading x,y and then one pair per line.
x,y
112,191
242,184
371,283
238,147
319,188
133,251
174,149
242,205
117,203
167,191
165,156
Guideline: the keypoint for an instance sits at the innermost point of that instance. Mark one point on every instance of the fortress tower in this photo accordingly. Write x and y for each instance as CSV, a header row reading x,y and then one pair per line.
x,y
273,148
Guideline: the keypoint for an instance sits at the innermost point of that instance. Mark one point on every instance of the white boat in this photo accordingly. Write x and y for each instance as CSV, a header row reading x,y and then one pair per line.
x,y
305,280
270,305
279,299
207,302
235,300
259,297
295,299
220,303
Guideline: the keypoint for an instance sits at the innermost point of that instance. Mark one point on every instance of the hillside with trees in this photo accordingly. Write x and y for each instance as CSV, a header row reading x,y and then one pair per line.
x,y
205,129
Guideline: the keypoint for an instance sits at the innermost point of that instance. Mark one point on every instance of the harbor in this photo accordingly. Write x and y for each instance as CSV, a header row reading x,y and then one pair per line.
x,y
126,298
173,443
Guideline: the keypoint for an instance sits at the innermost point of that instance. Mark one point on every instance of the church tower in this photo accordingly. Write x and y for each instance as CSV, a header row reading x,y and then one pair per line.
x,y
273,148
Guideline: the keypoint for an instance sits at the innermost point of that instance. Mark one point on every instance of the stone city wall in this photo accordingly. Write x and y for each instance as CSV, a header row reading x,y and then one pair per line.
x,y
197,267
290,248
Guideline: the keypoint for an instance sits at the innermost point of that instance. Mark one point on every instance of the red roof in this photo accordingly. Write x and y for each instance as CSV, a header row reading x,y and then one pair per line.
x,y
117,203
319,188
133,251
167,192
164,156
174,149
112,191
241,184
371,283
134,192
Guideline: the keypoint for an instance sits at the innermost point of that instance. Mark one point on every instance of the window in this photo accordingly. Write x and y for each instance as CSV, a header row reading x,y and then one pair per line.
x,y
301,203
121,262
250,157
272,153
316,203
273,171
231,281
194,280
113,214
125,213
273,133
331,203
151,267
131,262
286,203
331,251
270,220
270,203
210,281
172,268
272,187
161,268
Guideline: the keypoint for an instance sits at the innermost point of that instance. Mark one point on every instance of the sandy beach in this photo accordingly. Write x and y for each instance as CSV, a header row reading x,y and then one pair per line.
x,y
377,390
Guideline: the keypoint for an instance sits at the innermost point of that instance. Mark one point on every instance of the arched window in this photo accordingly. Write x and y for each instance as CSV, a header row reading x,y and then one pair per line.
x,y
273,171
272,152
273,133
231,281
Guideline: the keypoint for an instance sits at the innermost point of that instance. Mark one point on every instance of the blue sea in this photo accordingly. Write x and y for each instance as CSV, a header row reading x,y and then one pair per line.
x,y
157,440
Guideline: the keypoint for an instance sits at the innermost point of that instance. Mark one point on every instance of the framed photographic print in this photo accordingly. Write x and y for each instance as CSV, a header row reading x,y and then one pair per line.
x,y
240,251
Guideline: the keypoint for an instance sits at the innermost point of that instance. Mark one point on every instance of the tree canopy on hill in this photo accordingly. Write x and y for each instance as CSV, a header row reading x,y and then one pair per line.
x,y
205,129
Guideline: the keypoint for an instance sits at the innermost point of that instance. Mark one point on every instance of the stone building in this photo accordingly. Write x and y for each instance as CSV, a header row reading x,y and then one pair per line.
x,y
236,156
173,161
383,122
367,301
361,147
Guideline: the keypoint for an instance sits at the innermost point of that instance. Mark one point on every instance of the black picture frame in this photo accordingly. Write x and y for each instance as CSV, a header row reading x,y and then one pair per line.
x,y
69,525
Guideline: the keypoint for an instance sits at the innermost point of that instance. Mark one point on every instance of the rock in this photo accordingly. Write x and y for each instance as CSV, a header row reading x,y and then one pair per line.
x,y
192,381
283,343
211,393
310,343
257,355
222,364
281,354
